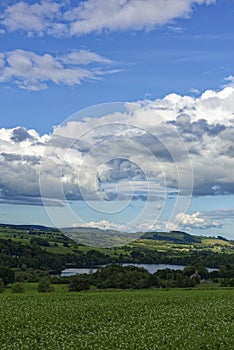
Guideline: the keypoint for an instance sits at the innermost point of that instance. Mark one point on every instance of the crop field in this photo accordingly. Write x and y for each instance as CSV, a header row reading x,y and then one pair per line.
x,y
114,320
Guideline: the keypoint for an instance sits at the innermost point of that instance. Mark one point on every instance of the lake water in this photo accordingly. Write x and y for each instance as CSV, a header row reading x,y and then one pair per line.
x,y
72,272
152,268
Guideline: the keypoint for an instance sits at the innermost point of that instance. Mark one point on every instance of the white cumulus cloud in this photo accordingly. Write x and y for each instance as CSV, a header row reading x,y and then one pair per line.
x,y
30,71
196,220
98,15
61,18
33,17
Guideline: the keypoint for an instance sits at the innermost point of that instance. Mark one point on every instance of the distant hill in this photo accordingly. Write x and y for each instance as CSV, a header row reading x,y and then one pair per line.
x,y
172,236
89,236
28,227
98,237
109,238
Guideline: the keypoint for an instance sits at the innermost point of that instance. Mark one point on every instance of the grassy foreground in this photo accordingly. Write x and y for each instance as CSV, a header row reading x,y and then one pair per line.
x,y
131,320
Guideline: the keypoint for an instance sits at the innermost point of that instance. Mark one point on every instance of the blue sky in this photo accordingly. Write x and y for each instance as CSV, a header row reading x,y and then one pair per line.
x,y
59,57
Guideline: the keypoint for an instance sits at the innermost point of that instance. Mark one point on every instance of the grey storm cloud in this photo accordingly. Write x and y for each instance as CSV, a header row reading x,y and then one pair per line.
x,y
197,128
10,157
171,144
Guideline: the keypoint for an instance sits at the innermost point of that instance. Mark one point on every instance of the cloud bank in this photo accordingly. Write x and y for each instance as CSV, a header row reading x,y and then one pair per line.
x,y
65,18
144,152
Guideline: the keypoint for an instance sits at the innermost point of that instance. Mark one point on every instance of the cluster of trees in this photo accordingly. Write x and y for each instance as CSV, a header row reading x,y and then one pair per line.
x,y
132,277
120,277
125,277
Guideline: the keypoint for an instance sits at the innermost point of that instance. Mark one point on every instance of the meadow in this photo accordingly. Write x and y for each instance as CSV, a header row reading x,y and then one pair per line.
x,y
114,320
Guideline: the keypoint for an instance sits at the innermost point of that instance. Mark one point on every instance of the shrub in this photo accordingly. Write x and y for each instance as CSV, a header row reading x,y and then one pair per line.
x,y
17,287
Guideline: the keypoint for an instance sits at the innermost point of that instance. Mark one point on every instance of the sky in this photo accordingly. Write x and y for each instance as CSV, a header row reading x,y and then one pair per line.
x,y
118,114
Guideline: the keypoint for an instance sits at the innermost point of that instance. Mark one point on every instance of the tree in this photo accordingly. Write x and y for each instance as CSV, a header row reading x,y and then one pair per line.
x,y
44,285
1,285
7,275
202,271
79,283
189,270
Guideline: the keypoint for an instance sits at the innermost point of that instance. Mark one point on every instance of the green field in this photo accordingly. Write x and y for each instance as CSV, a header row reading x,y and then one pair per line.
x,y
114,320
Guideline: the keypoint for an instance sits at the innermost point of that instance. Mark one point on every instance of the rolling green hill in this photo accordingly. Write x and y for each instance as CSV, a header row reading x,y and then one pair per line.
x,y
24,233
173,236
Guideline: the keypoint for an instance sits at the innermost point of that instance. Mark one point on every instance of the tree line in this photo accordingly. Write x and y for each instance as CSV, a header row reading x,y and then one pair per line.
x,y
132,277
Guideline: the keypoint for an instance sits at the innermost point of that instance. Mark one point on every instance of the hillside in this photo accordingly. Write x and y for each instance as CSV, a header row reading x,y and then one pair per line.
x,y
112,238
173,236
